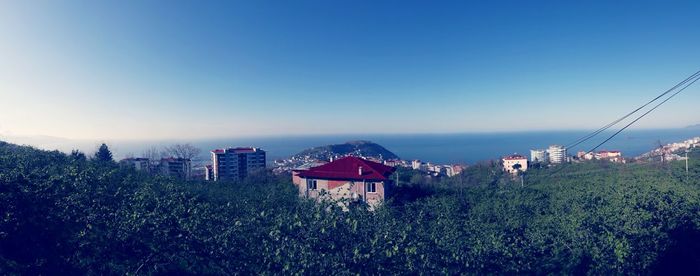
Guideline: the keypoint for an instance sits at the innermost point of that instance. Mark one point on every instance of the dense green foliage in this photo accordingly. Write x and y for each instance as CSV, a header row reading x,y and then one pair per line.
x,y
103,154
62,214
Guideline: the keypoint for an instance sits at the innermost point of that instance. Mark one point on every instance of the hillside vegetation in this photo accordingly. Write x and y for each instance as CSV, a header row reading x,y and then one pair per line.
x,y
66,215
358,148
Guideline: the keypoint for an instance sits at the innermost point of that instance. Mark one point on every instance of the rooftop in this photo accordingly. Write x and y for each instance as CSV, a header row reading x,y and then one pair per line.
x,y
174,159
349,168
135,159
514,157
237,150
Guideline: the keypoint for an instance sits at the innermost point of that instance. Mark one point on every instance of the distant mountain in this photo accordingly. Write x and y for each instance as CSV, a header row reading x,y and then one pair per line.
x,y
694,126
356,148
50,142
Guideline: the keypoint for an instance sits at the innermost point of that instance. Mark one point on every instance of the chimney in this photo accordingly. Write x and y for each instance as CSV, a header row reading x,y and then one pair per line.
x,y
360,170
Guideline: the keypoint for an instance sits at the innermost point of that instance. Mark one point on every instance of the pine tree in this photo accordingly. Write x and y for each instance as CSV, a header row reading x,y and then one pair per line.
x,y
78,155
103,154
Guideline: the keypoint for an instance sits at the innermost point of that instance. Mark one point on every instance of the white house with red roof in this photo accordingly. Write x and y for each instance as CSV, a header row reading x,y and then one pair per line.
x,y
514,163
350,178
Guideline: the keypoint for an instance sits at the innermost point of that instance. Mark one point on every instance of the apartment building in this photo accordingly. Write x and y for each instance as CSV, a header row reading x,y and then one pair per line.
x,y
236,163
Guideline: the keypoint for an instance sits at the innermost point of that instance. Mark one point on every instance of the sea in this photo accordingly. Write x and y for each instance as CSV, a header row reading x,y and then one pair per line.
x,y
457,148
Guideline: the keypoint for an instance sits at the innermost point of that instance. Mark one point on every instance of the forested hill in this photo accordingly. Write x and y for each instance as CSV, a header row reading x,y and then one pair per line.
x,y
357,148
65,214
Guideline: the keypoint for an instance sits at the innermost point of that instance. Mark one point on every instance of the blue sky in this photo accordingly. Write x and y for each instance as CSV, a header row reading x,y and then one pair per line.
x,y
200,69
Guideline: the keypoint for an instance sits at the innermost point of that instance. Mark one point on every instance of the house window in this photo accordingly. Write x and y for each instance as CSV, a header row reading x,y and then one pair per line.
x,y
371,187
311,184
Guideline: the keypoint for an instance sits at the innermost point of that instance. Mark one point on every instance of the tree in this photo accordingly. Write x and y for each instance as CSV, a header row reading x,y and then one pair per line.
x,y
186,151
153,153
78,155
103,154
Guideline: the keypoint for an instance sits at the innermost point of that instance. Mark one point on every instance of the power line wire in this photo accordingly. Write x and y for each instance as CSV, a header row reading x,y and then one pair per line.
x,y
696,76
642,116
591,135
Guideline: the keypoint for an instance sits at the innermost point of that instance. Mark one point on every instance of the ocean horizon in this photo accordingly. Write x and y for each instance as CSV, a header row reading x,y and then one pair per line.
x,y
454,148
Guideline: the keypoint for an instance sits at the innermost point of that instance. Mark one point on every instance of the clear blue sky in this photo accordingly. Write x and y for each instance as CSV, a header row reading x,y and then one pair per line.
x,y
195,69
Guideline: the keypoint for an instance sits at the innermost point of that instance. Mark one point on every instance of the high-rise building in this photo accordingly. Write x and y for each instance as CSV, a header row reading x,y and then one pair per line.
x,y
538,156
176,167
139,164
557,154
236,163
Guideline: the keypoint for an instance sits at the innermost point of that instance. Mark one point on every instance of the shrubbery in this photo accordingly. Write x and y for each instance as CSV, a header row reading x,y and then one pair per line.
x,y
61,214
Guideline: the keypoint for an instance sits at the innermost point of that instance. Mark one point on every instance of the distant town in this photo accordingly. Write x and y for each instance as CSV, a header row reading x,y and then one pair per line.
x,y
362,169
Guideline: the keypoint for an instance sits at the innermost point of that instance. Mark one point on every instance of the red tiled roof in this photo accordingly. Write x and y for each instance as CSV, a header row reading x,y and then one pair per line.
x,y
349,168
514,157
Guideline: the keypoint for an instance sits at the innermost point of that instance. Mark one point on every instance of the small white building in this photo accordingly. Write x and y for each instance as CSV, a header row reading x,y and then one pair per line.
x,y
417,164
538,156
515,163
139,164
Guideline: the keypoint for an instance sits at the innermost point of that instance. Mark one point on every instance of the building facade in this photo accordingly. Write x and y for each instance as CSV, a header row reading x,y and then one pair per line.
x,y
610,155
349,178
236,163
416,164
514,163
139,164
557,154
176,167
538,156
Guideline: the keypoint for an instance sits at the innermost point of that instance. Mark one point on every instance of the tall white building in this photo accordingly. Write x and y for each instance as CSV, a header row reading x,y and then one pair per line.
x,y
538,156
557,154
236,163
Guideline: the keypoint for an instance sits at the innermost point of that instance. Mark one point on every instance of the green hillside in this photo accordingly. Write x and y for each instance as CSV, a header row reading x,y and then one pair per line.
x,y
361,148
66,215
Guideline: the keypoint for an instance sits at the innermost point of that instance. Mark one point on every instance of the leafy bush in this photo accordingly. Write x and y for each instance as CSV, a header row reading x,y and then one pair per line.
x,y
62,214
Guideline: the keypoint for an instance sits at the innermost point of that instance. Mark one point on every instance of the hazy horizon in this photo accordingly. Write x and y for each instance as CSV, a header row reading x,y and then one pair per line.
x,y
442,148
253,136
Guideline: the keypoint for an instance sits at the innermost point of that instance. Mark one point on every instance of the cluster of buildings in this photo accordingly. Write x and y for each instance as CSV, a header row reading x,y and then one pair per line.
x,y
555,154
672,151
610,155
226,164
170,166
515,163
436,170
